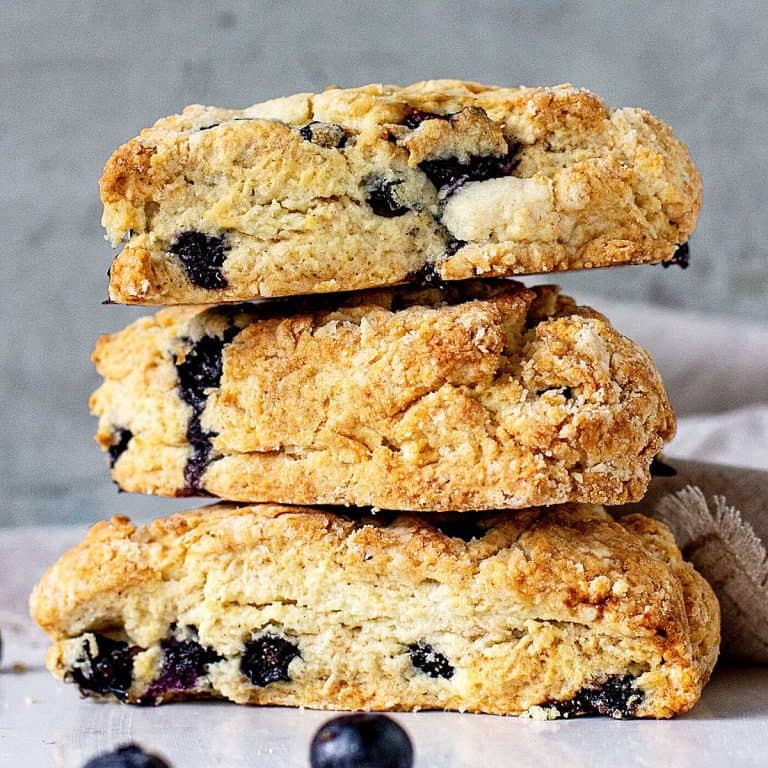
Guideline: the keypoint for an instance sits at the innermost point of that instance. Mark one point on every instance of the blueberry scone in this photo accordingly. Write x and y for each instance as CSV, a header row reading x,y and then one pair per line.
x,y
365,187
556,612
473,395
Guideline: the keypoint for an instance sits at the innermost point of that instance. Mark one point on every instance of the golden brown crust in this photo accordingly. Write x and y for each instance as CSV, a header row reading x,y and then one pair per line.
x,y
540,604
586,186
481,395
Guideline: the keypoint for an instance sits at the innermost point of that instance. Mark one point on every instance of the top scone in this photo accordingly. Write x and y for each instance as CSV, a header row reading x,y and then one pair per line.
x,y
372,186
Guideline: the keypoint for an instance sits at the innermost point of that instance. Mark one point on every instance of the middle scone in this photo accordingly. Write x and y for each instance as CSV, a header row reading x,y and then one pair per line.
x,y
476,395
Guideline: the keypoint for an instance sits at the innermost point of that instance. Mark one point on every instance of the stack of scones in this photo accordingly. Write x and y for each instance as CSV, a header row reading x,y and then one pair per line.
x,y
411,452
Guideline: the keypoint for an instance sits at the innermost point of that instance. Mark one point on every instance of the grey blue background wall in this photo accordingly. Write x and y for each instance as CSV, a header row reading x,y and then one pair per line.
x,y
81,76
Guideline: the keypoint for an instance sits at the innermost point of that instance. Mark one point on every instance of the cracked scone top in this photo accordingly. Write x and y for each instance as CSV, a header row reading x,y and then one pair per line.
x,y
475,395
364,187
558,612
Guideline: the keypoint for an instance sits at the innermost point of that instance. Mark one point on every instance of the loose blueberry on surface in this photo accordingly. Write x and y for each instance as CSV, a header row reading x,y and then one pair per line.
x,y
682,258
328,135
425,658
202,257
661,469
127,756
266,659
449,174
109,672
616,697
184,663
200,371
382,197
361,741
120,440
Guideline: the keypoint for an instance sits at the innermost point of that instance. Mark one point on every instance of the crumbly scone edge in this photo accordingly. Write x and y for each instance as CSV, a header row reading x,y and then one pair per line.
x,y
427,408
593,187
625,583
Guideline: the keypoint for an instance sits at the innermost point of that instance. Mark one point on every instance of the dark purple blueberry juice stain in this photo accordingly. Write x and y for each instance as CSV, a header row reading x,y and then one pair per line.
x,y
426,659
328,135
109,672
184,663
120,439
661,469
681,258
382,197
200,371
616,697
202,257
266,659
449,174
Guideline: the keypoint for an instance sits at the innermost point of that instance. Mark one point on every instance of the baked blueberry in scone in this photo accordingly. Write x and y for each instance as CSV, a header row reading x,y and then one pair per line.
x,y
556,612
364,187
468,395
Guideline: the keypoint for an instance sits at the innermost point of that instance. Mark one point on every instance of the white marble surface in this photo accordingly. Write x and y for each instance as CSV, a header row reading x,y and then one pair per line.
x,y
44,724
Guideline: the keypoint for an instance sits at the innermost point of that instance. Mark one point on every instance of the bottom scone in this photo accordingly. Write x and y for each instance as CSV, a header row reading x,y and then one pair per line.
x,y
550,612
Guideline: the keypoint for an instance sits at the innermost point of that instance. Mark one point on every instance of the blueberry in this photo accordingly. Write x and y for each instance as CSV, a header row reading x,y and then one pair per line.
x,y
417,116
426,659
361,741
681,257
453,244
661,469
382,197
109,672
328,135
427,277
201,368
184,662
120,439
127,756
449,174
616,697
200,371
197,463
266,659
202,257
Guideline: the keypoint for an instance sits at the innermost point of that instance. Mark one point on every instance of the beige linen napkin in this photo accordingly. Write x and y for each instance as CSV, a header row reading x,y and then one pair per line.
x,y
719,516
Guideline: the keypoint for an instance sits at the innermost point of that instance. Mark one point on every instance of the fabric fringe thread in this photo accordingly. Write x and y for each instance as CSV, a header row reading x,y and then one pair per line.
x,y
726,551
